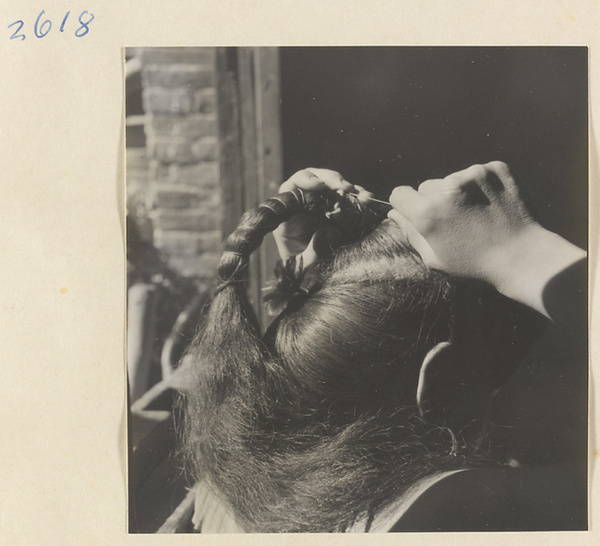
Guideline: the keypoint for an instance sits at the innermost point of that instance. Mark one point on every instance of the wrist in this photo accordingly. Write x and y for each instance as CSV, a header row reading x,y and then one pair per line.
x,y
521,269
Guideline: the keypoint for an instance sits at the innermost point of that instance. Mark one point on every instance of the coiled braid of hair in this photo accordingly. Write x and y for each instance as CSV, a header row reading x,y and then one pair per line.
x,y
248,433
326,207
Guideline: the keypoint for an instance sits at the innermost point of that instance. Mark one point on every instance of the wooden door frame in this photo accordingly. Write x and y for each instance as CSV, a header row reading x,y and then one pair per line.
x,y
251,161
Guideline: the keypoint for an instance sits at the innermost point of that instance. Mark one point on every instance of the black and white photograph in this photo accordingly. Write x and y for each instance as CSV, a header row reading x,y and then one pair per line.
x,y
357,289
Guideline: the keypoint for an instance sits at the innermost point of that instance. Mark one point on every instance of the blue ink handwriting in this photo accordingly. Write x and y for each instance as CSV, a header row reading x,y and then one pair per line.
x,y
43,25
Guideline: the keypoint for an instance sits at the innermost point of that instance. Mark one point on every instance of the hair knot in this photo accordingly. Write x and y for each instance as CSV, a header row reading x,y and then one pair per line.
x,y
292,285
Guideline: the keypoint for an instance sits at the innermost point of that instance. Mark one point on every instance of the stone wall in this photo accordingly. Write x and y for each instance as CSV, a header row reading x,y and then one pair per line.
x,y
182,149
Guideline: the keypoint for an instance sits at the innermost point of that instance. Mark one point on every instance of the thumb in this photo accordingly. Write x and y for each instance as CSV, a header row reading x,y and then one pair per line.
x,y
414,238
322,244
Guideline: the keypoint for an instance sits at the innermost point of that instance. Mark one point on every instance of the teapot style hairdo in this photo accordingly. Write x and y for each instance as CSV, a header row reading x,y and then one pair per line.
x,y
314,423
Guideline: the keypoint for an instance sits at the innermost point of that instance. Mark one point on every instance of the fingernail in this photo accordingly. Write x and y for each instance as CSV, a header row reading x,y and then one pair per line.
x,y
393,215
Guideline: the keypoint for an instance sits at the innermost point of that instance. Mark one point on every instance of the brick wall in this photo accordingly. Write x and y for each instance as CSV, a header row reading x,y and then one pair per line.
x,y
182,148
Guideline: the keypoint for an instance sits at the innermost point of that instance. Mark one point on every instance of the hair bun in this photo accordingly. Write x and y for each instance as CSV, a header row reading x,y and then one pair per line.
x,y
354,218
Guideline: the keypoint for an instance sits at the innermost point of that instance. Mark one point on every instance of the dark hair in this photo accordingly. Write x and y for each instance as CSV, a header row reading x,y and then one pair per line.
x,y
315,424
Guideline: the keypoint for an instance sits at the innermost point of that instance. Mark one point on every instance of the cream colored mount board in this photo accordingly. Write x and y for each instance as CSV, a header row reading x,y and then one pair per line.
x,y
63,464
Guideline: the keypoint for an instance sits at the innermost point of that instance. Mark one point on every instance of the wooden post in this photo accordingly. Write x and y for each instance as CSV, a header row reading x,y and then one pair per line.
x,y
269,143
230,167
248,151
250,143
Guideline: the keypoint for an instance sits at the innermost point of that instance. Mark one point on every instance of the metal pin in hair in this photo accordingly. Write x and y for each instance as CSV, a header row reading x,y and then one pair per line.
x,y
385,206
377,201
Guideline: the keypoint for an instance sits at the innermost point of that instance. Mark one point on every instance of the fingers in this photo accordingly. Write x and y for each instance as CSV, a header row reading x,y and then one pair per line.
x,y
492,178
414,238
313,179
292,237
333,180
500,168
289,245
433,186
413,205
321,245
502,171
488,181
303,179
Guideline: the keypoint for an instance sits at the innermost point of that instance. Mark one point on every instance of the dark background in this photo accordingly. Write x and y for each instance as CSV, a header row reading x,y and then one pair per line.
x,y
386,116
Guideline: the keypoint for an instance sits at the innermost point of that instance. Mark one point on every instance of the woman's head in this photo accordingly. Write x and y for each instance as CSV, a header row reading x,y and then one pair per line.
x,y
316,422
357,342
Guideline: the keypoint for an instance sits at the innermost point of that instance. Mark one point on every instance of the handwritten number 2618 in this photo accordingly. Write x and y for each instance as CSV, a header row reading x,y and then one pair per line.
x,y
43,26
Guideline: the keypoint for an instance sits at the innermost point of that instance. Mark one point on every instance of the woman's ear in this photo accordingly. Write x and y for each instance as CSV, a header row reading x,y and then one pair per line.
x,y
438,362
452,388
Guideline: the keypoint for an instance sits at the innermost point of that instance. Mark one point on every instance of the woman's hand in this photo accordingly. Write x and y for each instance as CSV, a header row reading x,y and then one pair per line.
x,y
297,235
474,224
